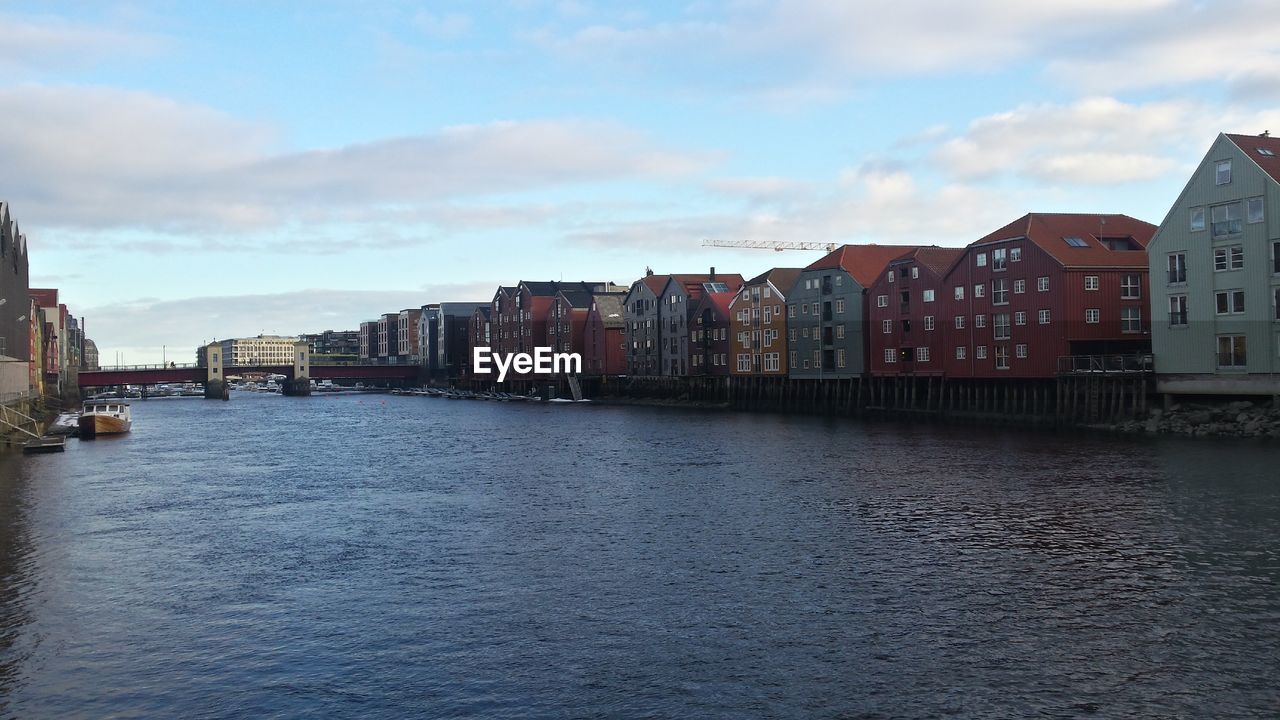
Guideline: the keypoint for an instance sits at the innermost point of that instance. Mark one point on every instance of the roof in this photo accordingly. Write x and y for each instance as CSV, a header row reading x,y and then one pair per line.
x,y
1251,144
937,260
483,310
609,308
655,283
720,301
577,298
45,297
864,263
693,283
1049,230
781,278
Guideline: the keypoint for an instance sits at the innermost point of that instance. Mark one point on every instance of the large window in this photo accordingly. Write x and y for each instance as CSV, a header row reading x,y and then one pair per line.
x,y
999,259
1226,219
1275,302
1222,172
1228,258
1000,326
1177,268
1177,309
1131,287
1231,351
1000,292
1131,320
1229,302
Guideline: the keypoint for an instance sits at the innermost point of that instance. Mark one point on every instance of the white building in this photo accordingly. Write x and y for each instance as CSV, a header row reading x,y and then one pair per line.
x,y
260,350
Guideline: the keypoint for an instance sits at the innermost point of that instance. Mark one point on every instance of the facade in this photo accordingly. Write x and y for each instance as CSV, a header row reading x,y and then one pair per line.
x,y
604,337
758,324
17,378
642,328
387,325
676,306
1044,287
269,350
912,319
90,359
567,321
478,335
335,345
407,346
709,335
504,320
444,337
1215,271
827,312
368,350
54,315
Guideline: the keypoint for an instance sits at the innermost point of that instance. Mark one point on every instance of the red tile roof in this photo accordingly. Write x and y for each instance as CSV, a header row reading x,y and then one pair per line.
x,y
655,283
721,301
1250,144
45,297
863,262
693,283
1049,230
938,260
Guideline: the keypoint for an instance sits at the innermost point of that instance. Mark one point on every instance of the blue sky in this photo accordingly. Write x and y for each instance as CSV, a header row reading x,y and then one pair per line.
x,y
190,171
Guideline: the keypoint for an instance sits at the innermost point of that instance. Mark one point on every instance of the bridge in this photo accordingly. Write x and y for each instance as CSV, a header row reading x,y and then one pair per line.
x,y
213,373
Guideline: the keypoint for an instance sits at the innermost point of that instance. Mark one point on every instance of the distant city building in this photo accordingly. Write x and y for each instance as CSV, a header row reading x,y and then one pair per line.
x,y
334,345
444,337
89,361
260,350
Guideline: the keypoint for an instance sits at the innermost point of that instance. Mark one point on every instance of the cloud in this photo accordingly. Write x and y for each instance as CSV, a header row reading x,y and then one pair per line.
x,y
102,158
147,328
447,26
52,43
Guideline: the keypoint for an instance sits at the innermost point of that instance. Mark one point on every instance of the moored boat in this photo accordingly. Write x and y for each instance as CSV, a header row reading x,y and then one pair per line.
x,y
105,417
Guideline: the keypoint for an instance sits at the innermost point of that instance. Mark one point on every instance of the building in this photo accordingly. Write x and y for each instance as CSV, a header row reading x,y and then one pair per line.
x,y
388,324
15,304
567,321
912,318
709,335
407,346
335,346
1045,286
368,350
827,312
444,338
604,337
758,324
479,331
1215,269
90,359
642,327
676,306
262,350
505,317
55,352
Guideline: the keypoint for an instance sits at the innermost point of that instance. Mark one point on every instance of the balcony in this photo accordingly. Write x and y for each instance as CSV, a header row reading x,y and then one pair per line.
x,y
1106,364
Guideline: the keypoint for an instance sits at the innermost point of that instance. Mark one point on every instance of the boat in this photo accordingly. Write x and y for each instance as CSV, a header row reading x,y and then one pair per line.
x,y
105,417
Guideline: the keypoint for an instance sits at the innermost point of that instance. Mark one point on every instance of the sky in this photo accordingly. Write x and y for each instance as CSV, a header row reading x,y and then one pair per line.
x,y
191,171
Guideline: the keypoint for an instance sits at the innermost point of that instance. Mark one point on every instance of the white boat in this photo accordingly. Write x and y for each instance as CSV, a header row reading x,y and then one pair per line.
x,y
105,417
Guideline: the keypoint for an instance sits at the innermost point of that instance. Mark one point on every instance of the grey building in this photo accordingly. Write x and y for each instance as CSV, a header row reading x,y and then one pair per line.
x,y
1215,275
676,304
827,313
15,298
443,337
644,348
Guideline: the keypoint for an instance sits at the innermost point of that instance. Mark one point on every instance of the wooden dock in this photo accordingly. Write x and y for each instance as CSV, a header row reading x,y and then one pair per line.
x,y
46,444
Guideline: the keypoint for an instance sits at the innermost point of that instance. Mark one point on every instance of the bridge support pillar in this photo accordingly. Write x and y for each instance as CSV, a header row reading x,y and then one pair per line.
x,y
300,384
215,384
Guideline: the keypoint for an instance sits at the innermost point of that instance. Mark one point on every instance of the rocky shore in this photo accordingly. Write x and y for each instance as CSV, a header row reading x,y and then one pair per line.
x,y
1241,418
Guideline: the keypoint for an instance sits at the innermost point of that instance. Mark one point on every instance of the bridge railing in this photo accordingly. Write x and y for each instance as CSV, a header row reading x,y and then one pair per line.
x,y
1105,364
156,366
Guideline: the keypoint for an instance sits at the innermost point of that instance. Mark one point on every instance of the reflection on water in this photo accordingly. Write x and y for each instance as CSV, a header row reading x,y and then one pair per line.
x,y
384,556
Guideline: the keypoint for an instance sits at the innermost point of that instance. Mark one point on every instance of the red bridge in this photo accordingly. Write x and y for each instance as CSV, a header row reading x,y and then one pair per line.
x,y
172,373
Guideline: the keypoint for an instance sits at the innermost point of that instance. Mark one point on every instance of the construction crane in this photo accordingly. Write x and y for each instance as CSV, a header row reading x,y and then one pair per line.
x,y
775,245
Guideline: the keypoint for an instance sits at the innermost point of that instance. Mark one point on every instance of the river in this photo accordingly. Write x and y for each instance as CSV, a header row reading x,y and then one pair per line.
x,y
379,556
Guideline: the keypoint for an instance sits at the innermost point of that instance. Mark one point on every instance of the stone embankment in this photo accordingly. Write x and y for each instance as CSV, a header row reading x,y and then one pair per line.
x,y
1235,419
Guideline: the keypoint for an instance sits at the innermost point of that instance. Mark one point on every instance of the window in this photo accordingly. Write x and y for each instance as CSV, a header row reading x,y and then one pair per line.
x,y
1020,318
1000,326
815,308
981,260
791,334
1002,357
792,358
1000,292
915,273
1177,268
928,296
1222,172
882,301
1090,282
804,309
767,293
890,355
806,364
1231,351
1197,218
1015,254
1253,210
804,332
1044,317
1275,302
744,362
922,354
1019,287
979,321
840,358
840,332
928,322
1131,320
1228,258
999,259
959,322
959,292
1178,310
1226,219
891,274
817,359
960,351
791,311
839,306
1075,242
980,352
1266,151
979,291
1131,286
1020,351
1275,257
1229,302
887,325
1093,316
906,325
1042,283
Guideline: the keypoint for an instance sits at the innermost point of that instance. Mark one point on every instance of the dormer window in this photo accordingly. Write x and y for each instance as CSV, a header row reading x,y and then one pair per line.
x,y
1075,241
1222,172
1266,151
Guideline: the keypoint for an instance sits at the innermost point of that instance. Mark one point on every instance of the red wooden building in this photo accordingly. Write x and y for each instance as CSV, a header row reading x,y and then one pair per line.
x,y
1046,286
567,321
908,313
604,338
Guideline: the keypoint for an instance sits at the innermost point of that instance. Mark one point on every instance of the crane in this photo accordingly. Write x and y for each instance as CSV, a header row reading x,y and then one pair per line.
x,y
775,245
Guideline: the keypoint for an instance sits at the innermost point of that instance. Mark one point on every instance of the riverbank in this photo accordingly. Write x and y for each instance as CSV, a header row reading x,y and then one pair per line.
x,y
1240,418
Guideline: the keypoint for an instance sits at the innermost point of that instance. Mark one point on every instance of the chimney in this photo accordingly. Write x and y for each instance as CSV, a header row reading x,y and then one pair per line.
x,y
713,273
648,271
1265,133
